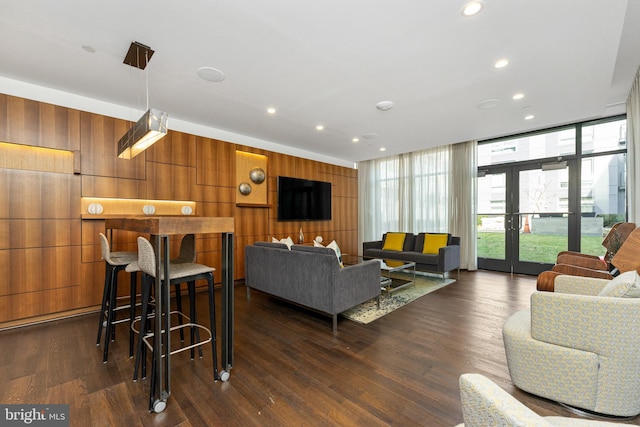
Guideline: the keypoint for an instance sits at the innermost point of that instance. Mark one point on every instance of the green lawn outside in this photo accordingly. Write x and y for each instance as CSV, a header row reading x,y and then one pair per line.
x,y
534,247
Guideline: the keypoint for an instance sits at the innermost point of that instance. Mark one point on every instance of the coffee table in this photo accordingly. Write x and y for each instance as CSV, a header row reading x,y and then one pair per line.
x,y
387,266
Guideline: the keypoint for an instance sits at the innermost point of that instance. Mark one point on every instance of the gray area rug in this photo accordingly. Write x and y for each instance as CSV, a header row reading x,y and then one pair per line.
x,y
368,311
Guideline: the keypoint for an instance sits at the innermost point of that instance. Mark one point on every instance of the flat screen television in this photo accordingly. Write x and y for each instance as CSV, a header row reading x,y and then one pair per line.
x,y
303,199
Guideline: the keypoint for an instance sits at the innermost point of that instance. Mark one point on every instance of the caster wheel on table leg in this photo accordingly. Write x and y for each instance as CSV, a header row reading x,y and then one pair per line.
x,y
159,405
224,376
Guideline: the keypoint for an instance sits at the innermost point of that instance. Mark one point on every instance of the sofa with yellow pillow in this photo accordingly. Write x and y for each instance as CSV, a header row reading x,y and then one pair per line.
x,y
432,252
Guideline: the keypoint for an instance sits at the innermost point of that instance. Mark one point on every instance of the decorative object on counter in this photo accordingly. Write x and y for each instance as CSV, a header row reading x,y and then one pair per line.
x,y
244,188
301,236
95,209
318,239
186,210
257,175
149,209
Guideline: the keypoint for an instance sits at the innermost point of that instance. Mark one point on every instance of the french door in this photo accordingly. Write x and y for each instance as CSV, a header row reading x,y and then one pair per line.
x,y
525,216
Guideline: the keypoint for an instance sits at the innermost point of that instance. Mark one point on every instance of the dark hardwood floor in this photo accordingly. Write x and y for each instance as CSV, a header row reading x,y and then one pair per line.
x,y
289,369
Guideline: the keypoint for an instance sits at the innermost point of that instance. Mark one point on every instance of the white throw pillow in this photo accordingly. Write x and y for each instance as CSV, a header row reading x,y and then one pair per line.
x,y
333,245
626,285
288,241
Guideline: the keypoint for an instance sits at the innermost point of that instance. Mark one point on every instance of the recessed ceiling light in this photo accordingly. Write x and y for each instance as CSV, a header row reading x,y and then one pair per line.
x,y
271,110
501,63
211,74
487,104
354,140
383,149
529,117
384,105
88,48
319,127
472,8
369,135
517,96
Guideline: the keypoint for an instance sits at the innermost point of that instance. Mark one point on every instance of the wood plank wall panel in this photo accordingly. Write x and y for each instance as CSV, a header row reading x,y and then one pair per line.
x,y
169,182
102,186
176,148
34,123
99,154
59,254
215,162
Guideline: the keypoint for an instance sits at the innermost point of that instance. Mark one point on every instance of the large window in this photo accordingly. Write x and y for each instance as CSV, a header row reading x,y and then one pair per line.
x,y
564,189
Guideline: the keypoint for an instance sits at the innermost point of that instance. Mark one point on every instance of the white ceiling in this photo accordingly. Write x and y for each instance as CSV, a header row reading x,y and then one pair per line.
x,y
329,62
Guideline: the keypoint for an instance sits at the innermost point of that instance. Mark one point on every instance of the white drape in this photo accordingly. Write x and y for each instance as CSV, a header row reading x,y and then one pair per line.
x,y
431,190
633,151
463,201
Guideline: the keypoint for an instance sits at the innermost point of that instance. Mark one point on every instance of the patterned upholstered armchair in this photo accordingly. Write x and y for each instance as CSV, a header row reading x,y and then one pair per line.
x,y
579,347
485,404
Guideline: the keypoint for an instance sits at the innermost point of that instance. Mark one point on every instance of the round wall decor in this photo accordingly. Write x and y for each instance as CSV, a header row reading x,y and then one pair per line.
x,y
244,188
257,175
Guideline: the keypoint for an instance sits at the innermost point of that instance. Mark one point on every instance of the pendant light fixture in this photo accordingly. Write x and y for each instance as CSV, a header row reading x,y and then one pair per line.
x,y
152,126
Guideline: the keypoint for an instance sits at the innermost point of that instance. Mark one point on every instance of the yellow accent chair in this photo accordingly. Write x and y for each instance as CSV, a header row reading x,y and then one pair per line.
x,y
579,347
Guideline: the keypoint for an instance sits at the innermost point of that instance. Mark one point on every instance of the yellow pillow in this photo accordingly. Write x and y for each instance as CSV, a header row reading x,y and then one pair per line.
x,y
433,242
394,241
393,263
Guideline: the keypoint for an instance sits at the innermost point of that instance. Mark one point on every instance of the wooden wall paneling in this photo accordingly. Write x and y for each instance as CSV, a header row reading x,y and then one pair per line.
x,y
176,148
215,162
101,186
34,123
28,194
213,194
41,217
41,302
99,153
30,233
33,269
245,163
169,182
309,169
224,209
42,159
252,222
281,164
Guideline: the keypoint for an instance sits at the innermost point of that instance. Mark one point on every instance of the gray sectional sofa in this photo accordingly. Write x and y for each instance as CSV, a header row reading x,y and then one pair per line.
x,y
447,258
311,277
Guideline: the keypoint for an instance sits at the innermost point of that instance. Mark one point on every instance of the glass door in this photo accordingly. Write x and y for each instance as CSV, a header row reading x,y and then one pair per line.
x,y
524,218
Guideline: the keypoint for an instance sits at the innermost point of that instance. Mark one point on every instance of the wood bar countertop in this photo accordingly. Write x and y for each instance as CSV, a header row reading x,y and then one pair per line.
x,y
172,224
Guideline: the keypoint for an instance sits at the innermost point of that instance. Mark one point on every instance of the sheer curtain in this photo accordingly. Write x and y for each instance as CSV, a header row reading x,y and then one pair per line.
x,y
633,150
430,190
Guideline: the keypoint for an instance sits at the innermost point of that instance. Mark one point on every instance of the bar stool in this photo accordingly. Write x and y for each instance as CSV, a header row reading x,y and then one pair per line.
x,y
187,254
179,273
115,262
186,258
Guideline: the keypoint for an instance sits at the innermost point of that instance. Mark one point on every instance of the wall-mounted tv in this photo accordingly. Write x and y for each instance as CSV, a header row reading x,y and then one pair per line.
x,y
303,199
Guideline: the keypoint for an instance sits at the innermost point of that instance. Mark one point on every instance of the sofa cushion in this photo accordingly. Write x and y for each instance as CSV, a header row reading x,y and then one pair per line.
x,y
394,241
626,285
334,246
287,241
433,243
275,245
419,241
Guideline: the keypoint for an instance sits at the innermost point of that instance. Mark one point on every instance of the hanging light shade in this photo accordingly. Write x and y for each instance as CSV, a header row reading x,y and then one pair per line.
x,y
151,127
